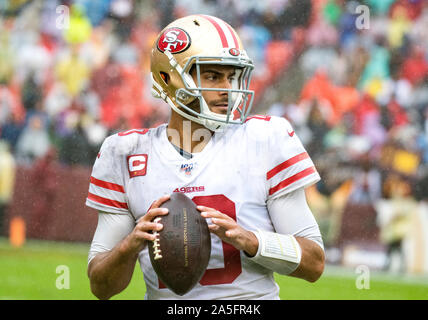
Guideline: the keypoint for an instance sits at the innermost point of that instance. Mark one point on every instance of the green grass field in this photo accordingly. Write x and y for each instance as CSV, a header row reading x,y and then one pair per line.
x,y
29,273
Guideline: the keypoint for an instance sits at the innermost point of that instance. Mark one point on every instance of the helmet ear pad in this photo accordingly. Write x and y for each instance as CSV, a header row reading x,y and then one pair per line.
x,y
165,77
173,82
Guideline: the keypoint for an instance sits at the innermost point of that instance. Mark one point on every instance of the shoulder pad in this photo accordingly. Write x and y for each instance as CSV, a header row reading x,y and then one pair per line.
x,y
123,143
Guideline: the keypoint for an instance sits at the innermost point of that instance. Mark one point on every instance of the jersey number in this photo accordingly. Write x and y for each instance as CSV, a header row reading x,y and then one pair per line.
x,y
232,258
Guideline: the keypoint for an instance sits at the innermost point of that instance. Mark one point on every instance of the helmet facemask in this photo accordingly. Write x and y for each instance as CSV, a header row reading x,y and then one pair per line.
x,y
240,98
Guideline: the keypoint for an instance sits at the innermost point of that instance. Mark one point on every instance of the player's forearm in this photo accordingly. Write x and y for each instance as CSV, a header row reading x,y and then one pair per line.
x,y
312,261
110,272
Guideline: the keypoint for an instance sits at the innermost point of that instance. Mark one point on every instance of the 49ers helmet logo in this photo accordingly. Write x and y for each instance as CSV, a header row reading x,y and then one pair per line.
x,y
174,40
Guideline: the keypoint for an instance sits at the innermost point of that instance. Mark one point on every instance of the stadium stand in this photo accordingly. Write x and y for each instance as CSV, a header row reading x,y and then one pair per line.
x,y
73,72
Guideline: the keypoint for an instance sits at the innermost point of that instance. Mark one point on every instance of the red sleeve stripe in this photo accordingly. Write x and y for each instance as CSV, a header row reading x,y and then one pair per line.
x,y
292,179
107,185
286,164
107,202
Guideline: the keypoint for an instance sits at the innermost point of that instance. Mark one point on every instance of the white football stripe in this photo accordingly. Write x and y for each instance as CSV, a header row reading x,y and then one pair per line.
x,y
227,32
107,193
104,207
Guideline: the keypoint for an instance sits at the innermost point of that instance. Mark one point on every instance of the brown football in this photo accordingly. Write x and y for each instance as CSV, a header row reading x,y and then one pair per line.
x,y
182,250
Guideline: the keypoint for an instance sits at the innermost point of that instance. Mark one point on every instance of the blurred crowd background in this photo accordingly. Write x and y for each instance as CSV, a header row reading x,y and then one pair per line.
x,y
354,87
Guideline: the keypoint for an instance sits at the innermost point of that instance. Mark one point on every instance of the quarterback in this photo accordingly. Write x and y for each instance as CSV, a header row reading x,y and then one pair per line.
x,y
247,174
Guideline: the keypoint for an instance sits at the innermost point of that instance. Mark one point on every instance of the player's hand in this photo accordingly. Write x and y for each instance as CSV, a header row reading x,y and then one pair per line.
x,y
228,230
145,225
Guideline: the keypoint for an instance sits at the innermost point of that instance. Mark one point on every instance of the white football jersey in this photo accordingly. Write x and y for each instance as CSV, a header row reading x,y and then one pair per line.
x,y
236,173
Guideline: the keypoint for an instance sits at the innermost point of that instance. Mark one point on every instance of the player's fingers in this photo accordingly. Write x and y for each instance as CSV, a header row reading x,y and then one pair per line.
x,y
153,213
229,236
212,213
233,233
149,226
224,223
157,203
213,228
205,209
143,235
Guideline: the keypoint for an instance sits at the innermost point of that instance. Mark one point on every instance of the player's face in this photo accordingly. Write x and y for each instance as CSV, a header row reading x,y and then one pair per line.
x,y
216,76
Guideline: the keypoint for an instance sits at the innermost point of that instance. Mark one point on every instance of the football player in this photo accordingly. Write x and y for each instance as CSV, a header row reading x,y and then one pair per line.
x,y
246,174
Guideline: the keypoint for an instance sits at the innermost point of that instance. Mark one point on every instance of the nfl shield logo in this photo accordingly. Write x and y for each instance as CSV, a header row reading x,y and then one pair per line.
x,y
187,168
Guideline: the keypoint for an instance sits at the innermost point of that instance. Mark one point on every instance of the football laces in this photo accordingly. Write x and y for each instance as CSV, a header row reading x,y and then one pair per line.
x,y
156,245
